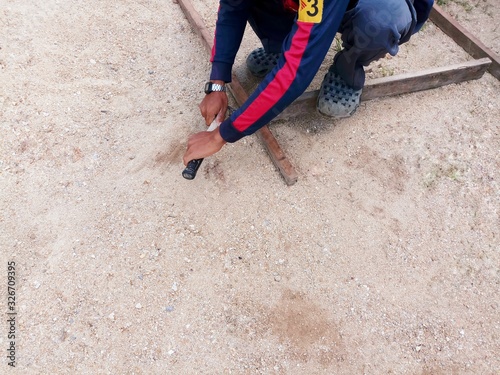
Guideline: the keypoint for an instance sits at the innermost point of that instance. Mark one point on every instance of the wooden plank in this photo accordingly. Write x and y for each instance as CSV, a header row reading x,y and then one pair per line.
x,y
472,45
197,23
401,84
425,79
264,134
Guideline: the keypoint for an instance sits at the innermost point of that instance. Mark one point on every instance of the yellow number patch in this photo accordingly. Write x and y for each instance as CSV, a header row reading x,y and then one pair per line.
x,y
311,11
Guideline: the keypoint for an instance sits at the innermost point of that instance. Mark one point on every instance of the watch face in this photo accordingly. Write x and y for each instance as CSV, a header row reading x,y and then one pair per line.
x,y
208,87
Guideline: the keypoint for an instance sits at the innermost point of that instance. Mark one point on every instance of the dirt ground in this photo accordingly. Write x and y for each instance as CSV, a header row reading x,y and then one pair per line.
x,y
384,257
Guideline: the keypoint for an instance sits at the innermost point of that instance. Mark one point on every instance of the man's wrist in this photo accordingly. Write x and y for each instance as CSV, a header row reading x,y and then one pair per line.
x,y
218,137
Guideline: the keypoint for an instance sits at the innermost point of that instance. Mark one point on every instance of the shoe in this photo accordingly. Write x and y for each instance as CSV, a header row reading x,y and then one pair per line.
x,y
336,98
259,62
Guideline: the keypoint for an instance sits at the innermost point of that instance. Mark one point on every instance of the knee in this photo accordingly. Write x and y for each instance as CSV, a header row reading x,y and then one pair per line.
x,y
380,24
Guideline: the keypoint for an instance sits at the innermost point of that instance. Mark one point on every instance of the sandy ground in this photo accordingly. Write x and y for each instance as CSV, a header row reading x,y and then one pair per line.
x,y
384,258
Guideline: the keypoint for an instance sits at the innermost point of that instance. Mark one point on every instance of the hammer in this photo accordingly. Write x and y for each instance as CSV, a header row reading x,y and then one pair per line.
x,y
189,173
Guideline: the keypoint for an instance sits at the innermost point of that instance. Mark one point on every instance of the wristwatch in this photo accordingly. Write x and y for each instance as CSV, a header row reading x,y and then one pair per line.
x,y
211,87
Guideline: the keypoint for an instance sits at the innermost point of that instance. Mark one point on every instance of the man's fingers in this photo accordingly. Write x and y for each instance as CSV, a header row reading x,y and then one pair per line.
x,y
205,113
186,158
221,115
209,117
193,139
203,144
212,106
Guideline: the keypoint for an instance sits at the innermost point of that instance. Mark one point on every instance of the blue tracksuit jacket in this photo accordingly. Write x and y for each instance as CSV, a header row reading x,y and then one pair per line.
x,y
303,50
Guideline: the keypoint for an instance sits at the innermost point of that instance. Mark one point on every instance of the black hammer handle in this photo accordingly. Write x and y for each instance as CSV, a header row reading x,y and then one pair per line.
x,y
192,167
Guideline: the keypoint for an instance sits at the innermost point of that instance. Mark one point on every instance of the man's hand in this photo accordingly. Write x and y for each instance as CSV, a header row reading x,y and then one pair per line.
x,y
203,144
214,105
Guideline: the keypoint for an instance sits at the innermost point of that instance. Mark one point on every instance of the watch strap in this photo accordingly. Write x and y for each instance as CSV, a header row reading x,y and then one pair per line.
x,y
211,87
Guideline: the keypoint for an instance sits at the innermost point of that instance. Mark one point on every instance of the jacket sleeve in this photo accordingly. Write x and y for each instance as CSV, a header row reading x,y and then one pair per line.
x,y
303,52
232,17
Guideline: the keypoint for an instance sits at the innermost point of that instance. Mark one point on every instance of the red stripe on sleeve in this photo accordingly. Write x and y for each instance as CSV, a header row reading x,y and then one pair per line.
x,y
281,82
212,53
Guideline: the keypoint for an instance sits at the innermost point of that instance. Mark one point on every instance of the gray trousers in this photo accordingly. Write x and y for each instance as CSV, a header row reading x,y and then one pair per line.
x,y
370,29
